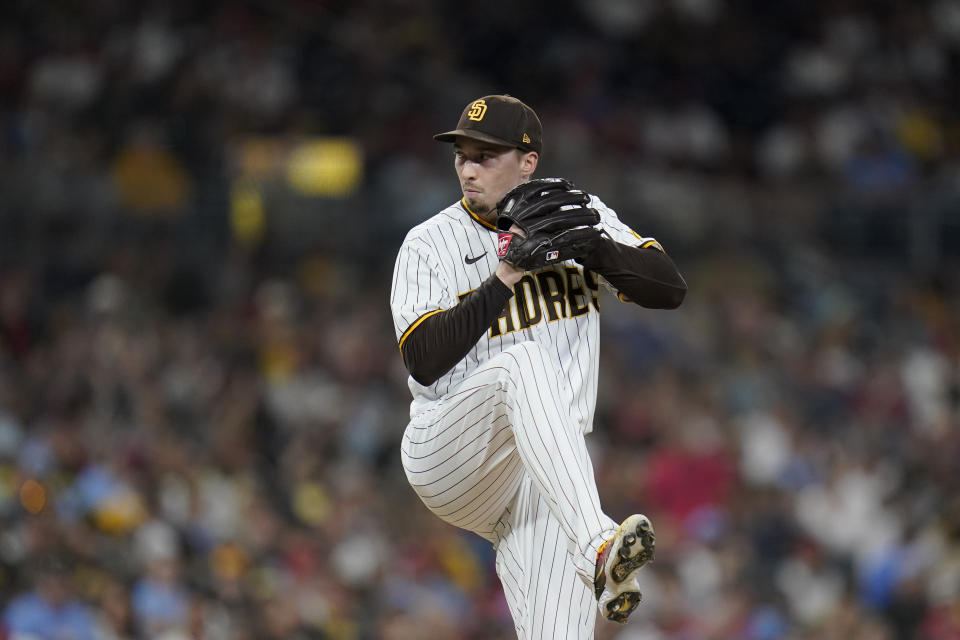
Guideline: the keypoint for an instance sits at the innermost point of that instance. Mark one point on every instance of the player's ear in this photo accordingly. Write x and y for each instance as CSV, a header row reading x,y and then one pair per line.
x,y
528,163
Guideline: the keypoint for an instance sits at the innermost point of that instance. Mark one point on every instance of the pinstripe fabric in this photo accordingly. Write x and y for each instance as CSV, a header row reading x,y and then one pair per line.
x,y
507,428
431,272
546,598
496,445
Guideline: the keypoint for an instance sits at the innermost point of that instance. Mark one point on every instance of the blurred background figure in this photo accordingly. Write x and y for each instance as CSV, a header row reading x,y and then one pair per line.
x,y
199,208
51,609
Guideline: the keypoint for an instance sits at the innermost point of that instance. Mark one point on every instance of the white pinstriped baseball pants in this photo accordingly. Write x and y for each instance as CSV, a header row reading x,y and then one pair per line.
x,y
503,457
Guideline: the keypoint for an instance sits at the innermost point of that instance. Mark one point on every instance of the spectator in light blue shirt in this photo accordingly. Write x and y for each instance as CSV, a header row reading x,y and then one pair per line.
x,y
51,610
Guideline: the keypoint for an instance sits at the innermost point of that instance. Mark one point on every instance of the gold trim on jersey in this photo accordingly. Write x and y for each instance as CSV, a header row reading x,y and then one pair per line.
x,y
647,244
415,325
476,217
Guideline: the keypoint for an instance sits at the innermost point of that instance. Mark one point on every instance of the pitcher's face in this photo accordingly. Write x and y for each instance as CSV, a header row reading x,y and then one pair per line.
x,y
488,171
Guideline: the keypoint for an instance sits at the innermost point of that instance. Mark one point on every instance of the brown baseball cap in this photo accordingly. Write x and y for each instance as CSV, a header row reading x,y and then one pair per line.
x,y
498,119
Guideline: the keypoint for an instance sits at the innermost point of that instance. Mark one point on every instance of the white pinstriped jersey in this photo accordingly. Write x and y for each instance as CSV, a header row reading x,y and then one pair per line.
x,y
452,253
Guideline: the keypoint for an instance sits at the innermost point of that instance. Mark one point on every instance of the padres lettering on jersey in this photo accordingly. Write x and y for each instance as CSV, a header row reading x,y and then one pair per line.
x,y
447,256
549,295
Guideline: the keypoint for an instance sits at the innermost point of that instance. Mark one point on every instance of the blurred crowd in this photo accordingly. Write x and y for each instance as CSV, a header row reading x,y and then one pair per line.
x,y
199,430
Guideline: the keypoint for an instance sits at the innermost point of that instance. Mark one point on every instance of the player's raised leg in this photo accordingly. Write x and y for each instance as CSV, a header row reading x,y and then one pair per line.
x,y
510,418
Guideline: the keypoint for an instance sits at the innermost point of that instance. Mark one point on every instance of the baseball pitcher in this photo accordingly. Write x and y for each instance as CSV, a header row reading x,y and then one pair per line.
x,y
496,303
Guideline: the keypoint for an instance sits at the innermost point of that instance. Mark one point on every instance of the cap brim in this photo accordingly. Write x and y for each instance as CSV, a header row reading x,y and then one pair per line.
x,y
451,136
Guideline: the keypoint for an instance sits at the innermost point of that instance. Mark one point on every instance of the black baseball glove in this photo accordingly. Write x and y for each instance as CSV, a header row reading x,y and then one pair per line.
x,y
556,222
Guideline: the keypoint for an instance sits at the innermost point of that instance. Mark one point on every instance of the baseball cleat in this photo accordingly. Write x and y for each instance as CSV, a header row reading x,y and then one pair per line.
x,y
618,560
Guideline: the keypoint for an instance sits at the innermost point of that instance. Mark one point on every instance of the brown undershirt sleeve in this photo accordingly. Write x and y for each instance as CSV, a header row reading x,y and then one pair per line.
x,y
647,277
442,339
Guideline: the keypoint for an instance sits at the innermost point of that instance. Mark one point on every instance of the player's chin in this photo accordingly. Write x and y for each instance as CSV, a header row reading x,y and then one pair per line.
x,y
478,205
